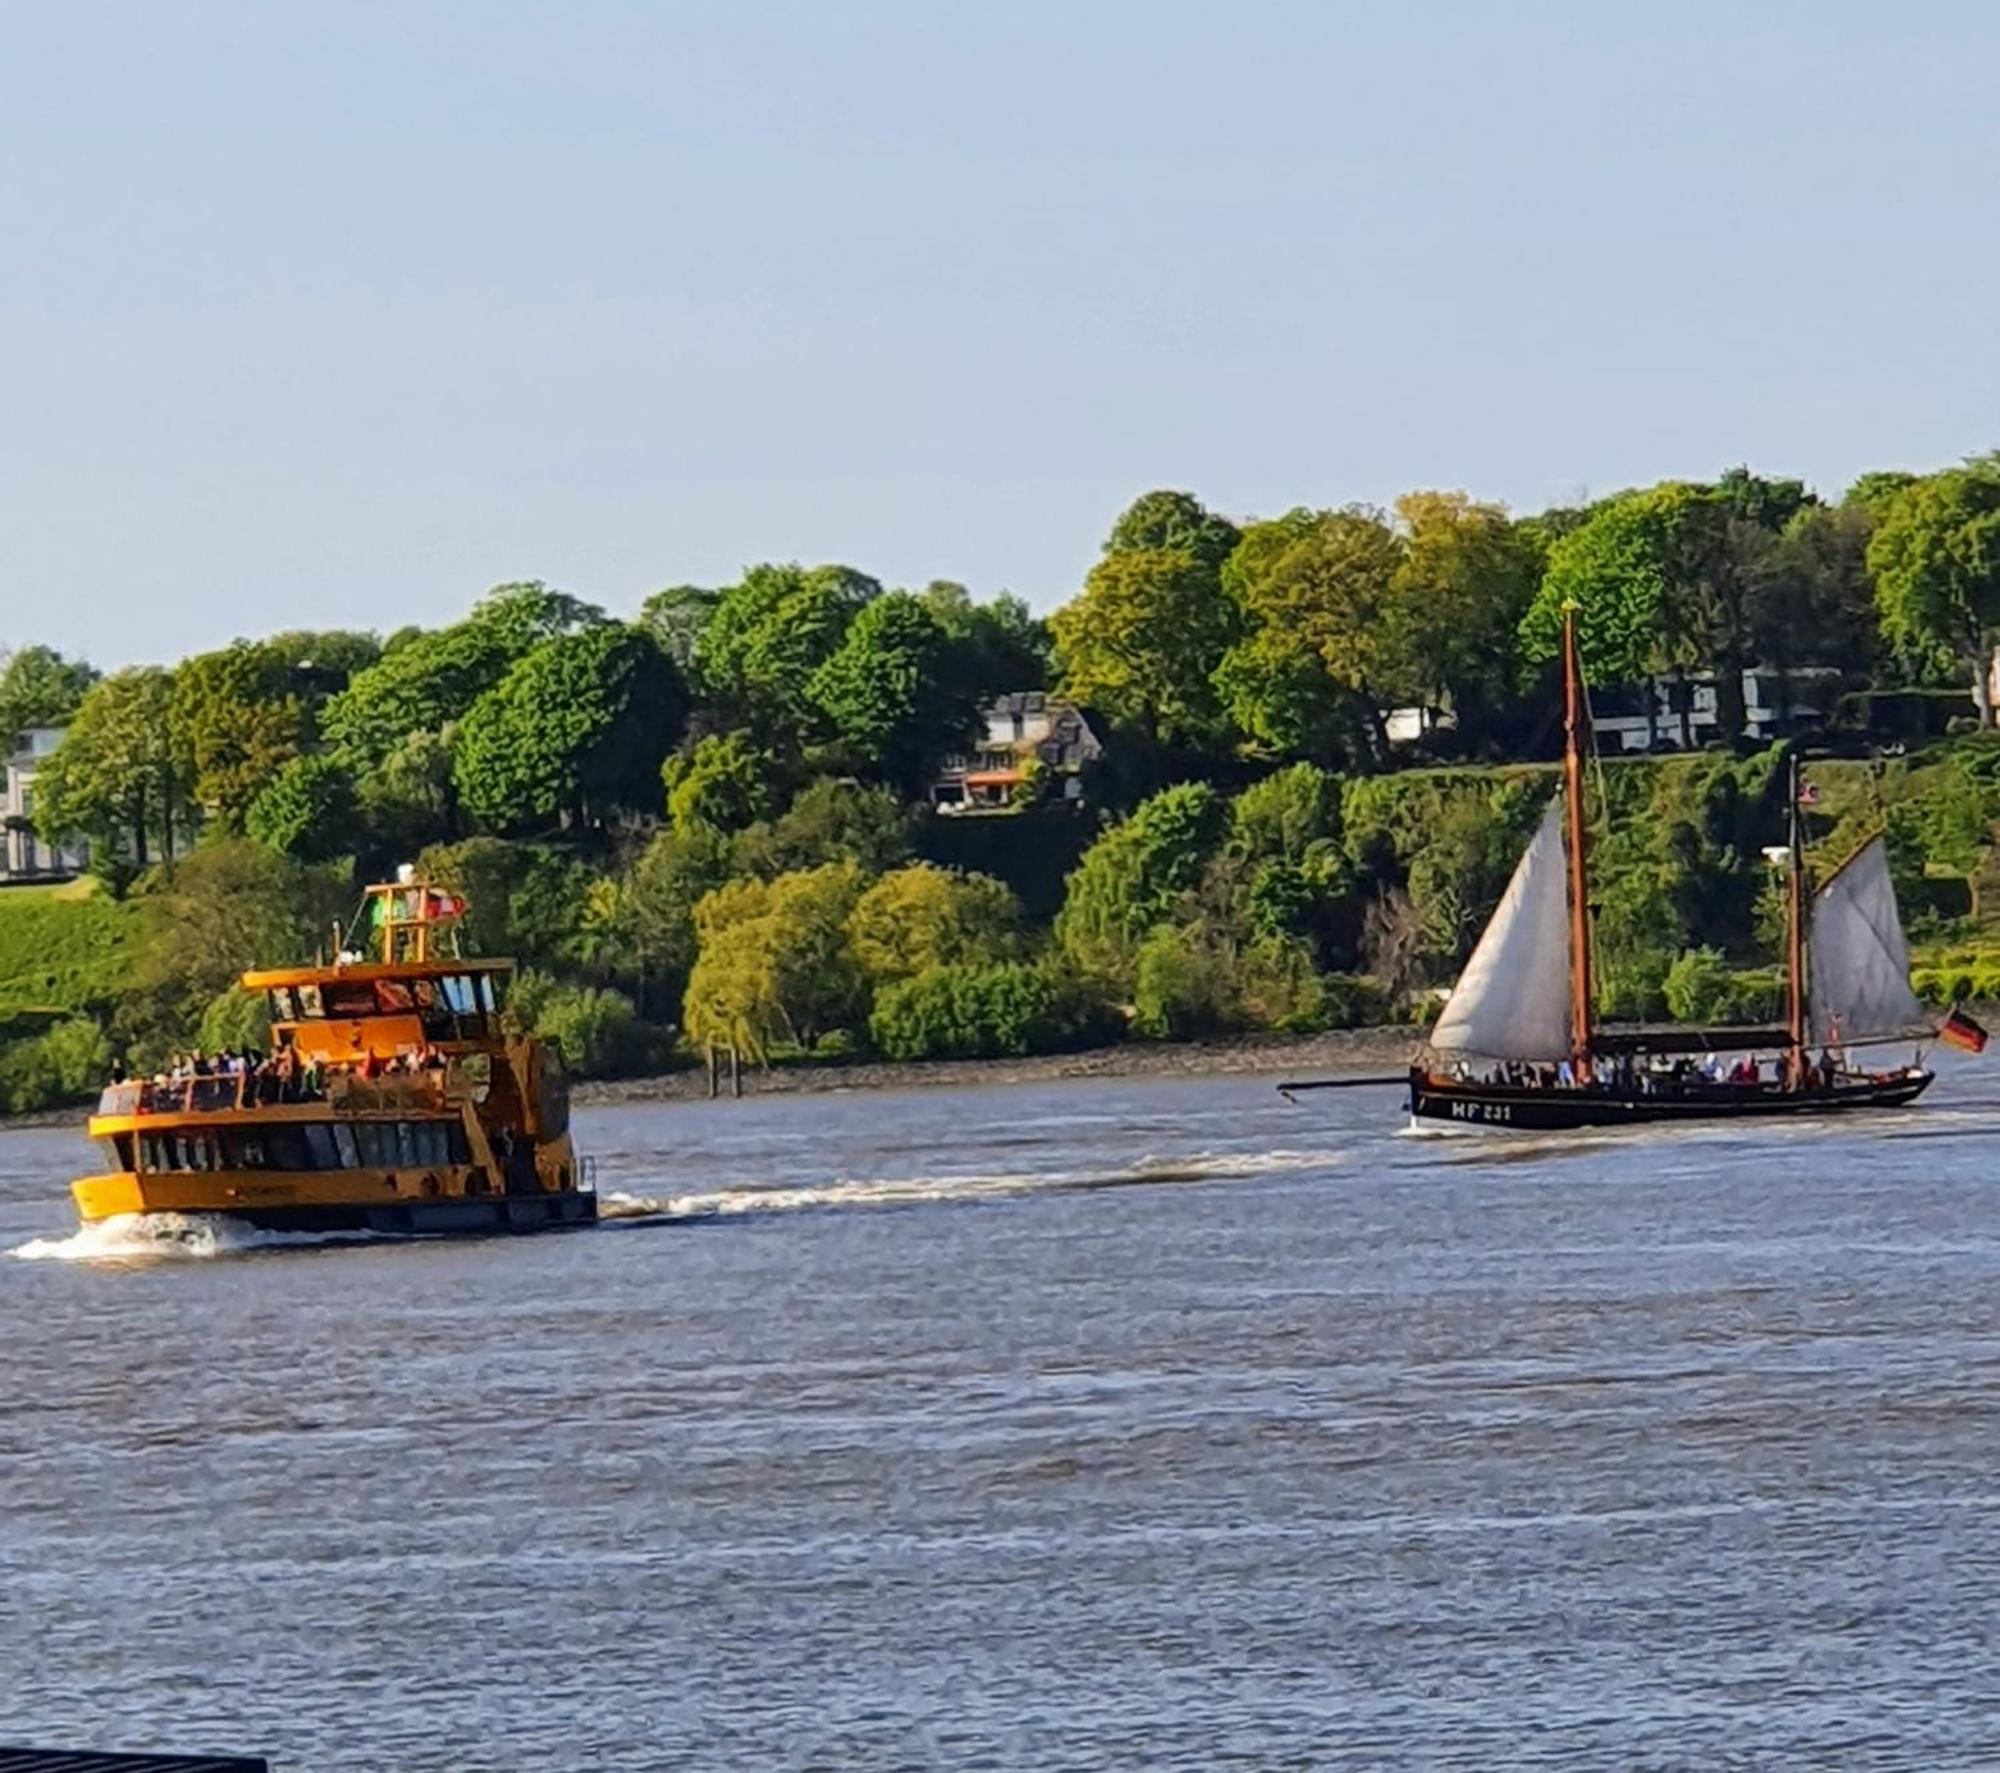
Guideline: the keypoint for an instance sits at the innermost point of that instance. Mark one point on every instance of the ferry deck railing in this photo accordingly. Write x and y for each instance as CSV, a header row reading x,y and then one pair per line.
x,y
233,1092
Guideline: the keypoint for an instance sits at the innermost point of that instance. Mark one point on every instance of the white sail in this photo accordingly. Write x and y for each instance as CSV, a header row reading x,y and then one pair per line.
x,y
1860,965
1513,999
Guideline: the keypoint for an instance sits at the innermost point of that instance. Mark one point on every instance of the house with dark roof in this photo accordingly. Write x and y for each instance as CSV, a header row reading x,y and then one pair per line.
x,y
1019,734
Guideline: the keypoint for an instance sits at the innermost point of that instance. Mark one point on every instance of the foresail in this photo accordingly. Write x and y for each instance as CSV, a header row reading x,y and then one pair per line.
x,y
1860,965
1513,999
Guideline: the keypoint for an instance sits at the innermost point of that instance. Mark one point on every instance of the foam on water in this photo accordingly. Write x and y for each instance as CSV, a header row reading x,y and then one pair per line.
x,y
156,1237
906,1191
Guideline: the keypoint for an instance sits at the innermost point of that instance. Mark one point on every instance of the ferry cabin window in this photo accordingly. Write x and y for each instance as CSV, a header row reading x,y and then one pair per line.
x,y
458,997
284,1004
301,1145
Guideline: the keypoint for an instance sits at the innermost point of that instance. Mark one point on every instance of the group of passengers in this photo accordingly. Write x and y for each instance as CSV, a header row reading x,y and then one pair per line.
x,y
405,1062
281,1075
1629,1075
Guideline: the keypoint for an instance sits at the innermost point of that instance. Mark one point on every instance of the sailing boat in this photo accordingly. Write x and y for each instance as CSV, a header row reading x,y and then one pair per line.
x,y
1516,1046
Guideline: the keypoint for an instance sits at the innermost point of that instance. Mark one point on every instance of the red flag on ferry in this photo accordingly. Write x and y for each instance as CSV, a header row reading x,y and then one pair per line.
x,y
1959,1030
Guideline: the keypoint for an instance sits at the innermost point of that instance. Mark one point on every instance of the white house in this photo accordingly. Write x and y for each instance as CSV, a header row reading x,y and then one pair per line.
x,y
23,854
1775,703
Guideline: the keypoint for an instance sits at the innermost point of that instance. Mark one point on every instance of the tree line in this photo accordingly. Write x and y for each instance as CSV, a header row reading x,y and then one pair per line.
x,y
705,824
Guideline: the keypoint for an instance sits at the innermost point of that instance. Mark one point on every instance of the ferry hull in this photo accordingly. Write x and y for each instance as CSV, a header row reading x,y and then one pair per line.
x,y
1527,1108
488,1216
316,1205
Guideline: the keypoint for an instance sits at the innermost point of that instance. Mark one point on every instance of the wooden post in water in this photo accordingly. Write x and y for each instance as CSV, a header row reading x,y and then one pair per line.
x,y
735,1073
1575,735
710,1054
1795,939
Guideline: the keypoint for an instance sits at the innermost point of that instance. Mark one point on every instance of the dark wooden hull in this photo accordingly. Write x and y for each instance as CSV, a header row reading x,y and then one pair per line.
x,y
484,1215
1532,1108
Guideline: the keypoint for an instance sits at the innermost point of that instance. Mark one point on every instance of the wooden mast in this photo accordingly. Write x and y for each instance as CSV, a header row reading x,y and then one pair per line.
x,y
1795,939
1575,735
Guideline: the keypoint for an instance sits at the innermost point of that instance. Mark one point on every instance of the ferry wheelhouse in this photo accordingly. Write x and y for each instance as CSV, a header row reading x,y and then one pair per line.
x,y
395,1099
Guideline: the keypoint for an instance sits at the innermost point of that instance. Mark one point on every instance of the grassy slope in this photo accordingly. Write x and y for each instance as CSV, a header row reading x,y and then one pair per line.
x,y
62,948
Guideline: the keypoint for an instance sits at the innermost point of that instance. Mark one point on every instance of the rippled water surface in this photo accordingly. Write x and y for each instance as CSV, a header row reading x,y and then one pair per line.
x,y
1096,1425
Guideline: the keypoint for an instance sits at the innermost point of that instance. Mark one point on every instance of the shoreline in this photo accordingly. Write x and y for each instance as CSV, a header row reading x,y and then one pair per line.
x,y
1347,1049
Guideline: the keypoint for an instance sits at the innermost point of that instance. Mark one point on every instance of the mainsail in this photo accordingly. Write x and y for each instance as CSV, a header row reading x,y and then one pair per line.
x,y
1512,1001
1860,972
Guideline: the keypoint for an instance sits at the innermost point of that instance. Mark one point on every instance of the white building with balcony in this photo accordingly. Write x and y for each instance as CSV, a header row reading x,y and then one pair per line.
x,y
23,853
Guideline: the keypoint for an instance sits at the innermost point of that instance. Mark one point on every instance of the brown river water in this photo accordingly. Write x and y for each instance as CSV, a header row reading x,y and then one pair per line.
x,y
1092,1425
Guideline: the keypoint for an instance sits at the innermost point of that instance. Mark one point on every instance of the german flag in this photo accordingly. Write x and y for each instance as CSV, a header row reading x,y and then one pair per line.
x,y
1959,1030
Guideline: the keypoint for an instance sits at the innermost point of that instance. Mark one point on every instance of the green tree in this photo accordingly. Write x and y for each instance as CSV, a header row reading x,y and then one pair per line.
x,y
523,614
1613,567
829,820
1132,878
1811,599
774,965
1142,642
1876,490
420,686
426,679
921,917
722,785
1666,579
39,687
224,908
1175,521
582,723
767,635
1935,557
234,723
113,777
677,617
338,653
998,646
888,694
1464,580
306,810
410,798
1315,590
660,891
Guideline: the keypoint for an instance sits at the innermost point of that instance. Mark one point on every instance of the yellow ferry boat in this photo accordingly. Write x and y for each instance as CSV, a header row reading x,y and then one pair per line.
x,y
394,1100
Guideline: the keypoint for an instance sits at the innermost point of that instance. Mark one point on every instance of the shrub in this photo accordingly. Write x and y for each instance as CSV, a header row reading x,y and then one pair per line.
x,y
306,810
1186,986
1282,989
981,1012
1699,986
66,1064
597,1032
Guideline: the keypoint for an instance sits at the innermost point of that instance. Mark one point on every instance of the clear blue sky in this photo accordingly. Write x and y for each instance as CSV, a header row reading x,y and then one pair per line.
x,y
337,314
